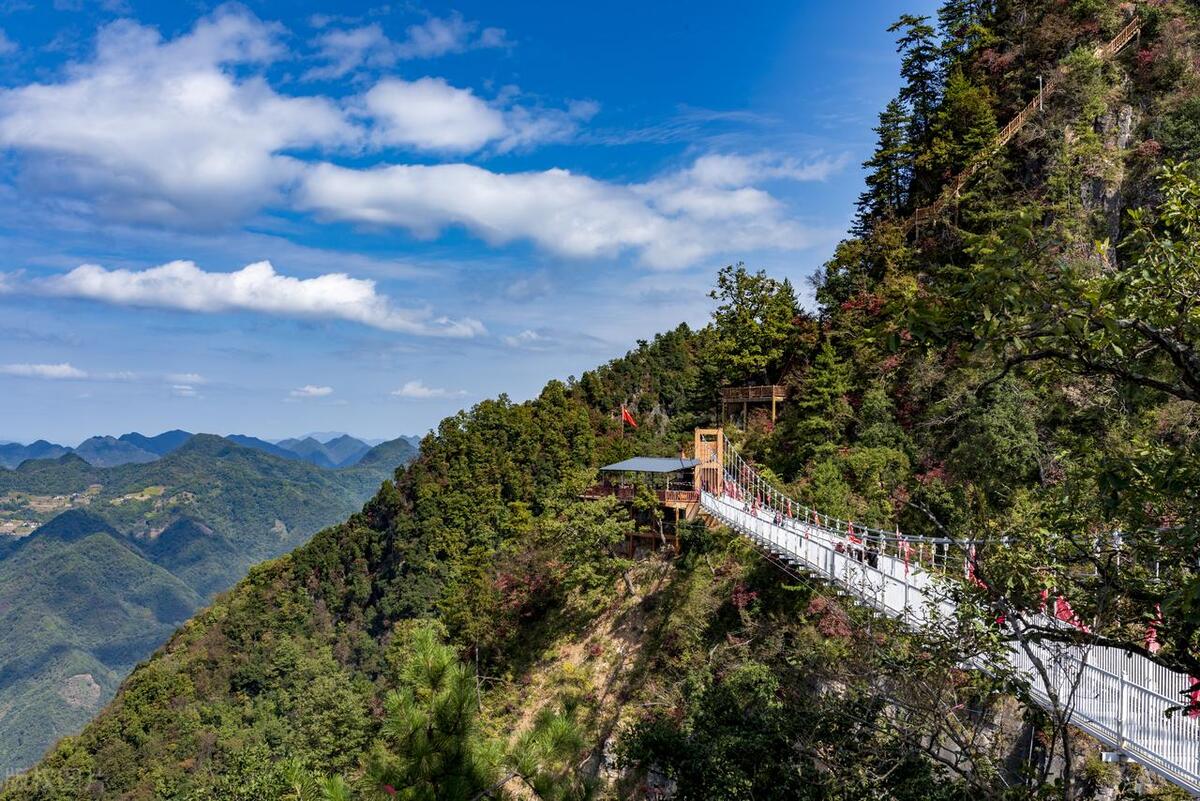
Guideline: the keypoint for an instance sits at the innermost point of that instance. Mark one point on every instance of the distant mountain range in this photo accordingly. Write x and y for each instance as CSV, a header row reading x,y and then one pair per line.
x,y
324,449
101,564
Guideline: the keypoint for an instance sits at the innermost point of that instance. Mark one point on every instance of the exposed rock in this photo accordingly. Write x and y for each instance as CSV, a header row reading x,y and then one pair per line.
x,y
1124,126
80,690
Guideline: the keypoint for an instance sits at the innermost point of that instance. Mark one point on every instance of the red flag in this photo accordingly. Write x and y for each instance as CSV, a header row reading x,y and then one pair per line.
x,y
971,577
627,417
1064,612
1152,631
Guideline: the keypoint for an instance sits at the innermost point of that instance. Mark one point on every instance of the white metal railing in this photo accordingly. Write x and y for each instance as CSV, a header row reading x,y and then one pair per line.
x,y
1117,697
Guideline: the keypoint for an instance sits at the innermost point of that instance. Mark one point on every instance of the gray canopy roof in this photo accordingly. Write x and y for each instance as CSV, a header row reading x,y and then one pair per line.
x,y
651,464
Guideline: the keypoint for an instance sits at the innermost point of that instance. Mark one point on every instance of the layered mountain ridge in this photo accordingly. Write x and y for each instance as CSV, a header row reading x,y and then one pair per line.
x,y
335,450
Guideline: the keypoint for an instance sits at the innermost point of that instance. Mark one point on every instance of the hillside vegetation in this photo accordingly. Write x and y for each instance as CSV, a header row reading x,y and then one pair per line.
x,y
1024,368
129,553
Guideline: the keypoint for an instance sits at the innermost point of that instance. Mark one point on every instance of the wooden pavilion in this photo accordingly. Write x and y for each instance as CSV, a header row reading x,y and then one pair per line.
x,y
674,481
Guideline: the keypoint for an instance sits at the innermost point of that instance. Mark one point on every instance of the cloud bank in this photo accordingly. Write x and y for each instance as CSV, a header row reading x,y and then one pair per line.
x,y
255,288
189,132
670,222
56,372
166,130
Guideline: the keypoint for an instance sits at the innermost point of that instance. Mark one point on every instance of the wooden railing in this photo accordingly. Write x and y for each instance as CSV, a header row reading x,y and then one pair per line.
x,y
764,392
627,492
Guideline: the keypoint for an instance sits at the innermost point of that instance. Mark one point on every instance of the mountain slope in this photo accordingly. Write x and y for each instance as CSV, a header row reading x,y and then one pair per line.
x,y
110,452
396,451
310,450
257,444
130,552
78,608
13,453
345,451
161,444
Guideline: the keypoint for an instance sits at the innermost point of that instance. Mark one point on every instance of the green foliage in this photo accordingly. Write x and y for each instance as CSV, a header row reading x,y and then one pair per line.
x,y
431,748
962,127
964,27
876,425
1179,130
753,331
820,412
861,484
997,442
737,745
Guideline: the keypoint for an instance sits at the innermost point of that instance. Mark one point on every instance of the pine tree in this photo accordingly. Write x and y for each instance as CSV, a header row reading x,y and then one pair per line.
x,y
877,426
920,52
963,27
432,747
962,127
889,170
816,420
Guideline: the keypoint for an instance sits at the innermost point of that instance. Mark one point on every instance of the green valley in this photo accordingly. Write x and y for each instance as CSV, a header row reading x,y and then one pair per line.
x,y
128,553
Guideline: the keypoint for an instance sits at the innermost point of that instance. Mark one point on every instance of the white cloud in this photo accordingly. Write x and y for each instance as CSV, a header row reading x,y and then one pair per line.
x,y
348,49
178,130
533,126
50,371
528,340
184,391
718,186
670,222
254,288
186,378
431,115
438,36
731,170
416,390
311,391
7,46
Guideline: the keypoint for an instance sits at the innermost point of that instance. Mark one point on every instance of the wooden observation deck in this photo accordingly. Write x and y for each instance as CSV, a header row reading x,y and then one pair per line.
x,y
733,397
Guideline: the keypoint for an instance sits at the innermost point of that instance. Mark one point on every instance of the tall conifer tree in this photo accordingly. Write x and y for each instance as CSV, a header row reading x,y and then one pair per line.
x,y
889,170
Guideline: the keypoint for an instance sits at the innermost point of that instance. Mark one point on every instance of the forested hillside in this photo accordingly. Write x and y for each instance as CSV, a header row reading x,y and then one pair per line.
x,y
128,553
1022,368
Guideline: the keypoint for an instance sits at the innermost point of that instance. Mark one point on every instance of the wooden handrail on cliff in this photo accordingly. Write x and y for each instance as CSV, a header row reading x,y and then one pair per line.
x,y
956,184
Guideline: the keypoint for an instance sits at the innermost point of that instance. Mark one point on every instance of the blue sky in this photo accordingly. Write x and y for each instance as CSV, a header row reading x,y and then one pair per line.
x,y
272,218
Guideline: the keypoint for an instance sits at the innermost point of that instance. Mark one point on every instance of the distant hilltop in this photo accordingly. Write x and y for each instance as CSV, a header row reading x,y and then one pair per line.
x,y
329,449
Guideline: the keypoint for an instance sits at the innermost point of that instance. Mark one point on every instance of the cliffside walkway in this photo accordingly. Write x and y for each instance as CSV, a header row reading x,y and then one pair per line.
x,y
1118,698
